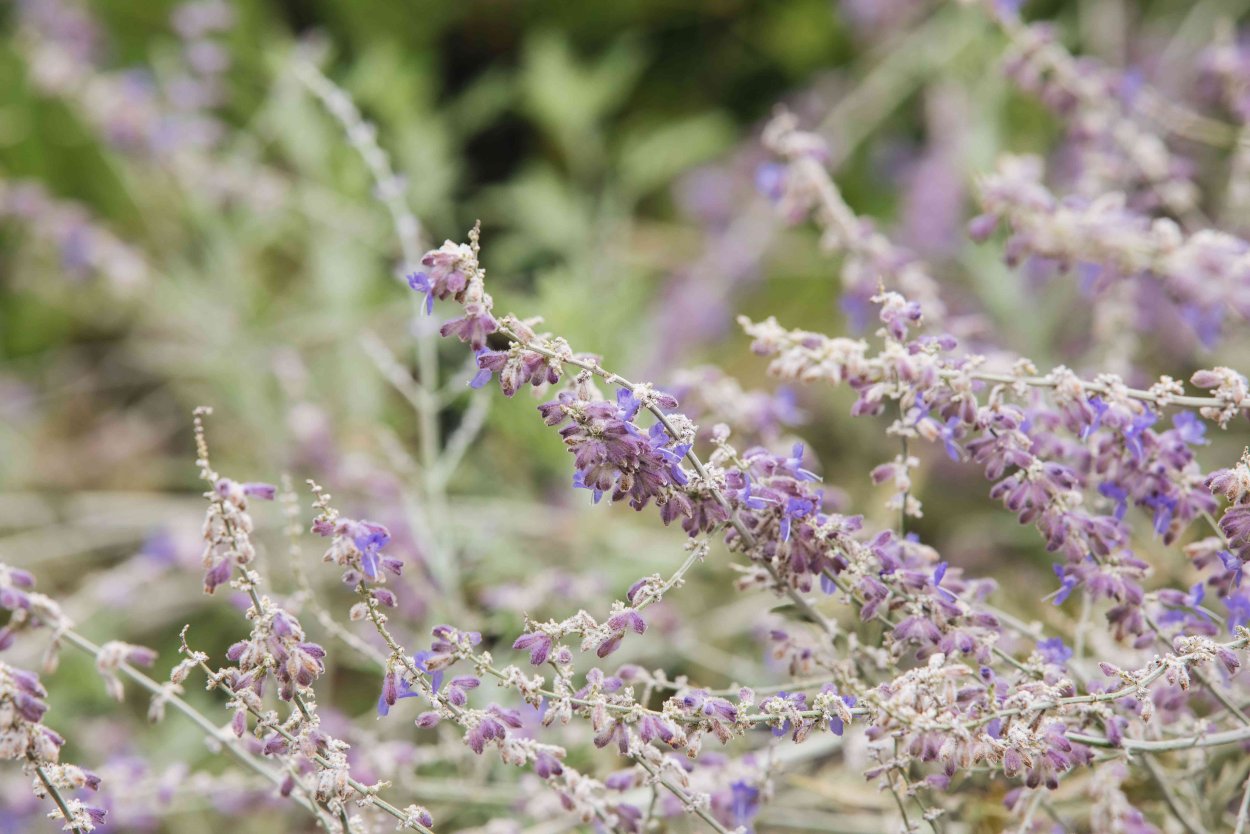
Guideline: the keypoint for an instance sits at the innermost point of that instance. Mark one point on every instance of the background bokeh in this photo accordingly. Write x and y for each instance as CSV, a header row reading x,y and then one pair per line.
x,y
183,224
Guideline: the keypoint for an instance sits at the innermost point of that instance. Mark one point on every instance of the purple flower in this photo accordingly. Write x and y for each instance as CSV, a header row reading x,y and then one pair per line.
x,y
458,687
982,226
487,729
836,725
1185,610
1133,434
1100,409
1068,583
1236,524
420,659
473,327
394,687
258,490
537,644
420,282
622,780
795,464
939,573
1054,651
579,482
547,765
1009,9
1164,508
1238,606
796,508
484,373
1190,429
1207,322
744,803
748,500
444,276
1117,493
917,629
770,180
611,644
627,619
672,458
369,538
1233,565
29,707
948,434
627,404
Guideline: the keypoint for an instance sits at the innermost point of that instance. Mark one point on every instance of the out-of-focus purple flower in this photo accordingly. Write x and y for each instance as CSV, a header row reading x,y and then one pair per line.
x,y
1133,434
1233,565
1238,606
1190,429
259,490
1117,493
770,180
1164,508
1100,409
744,804
420,282
795,463
1054,651
1009,9
949,434
1068,582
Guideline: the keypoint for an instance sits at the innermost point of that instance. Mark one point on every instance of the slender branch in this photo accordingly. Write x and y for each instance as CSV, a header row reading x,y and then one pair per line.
x,y
1140,394
57,799
1206,682
389,189
687,801
367,794
1134,745
196,717
1188,820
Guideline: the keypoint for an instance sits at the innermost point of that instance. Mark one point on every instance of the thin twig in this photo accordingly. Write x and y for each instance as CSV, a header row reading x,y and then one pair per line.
x,y
57,799
211,730
1188,820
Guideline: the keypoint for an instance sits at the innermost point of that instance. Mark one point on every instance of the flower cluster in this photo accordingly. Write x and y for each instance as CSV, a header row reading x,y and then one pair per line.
x,y
801,186
1101,108
1206,273
23,737
357,548
227,525
773,510
84,248
877,638
453,272
1111,449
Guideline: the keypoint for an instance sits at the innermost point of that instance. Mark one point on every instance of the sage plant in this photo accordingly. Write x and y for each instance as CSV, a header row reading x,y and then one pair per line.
x,y
880,647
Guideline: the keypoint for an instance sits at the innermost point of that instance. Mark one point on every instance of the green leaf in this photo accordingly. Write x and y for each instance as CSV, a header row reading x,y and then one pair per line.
x,y
653,157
